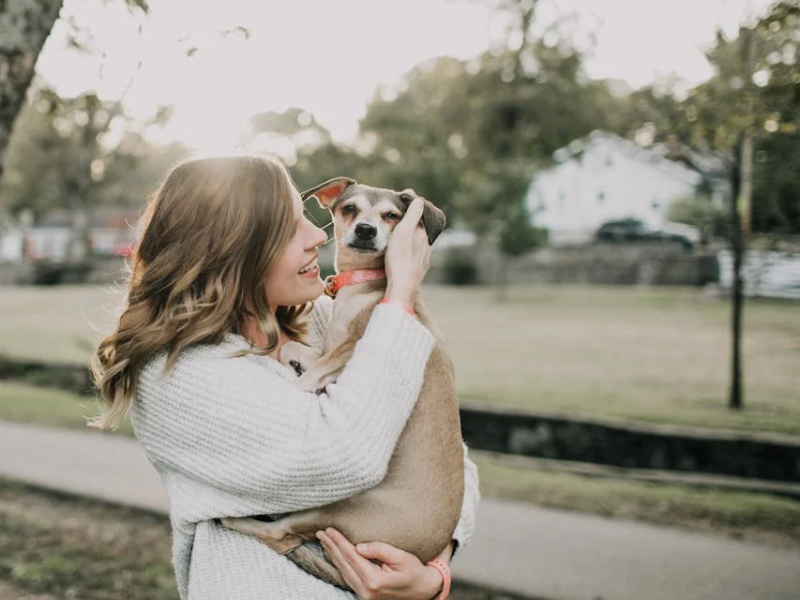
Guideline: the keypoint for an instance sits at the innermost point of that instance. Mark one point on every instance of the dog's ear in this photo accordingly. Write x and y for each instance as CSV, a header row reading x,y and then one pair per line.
x,y
329,192
433,219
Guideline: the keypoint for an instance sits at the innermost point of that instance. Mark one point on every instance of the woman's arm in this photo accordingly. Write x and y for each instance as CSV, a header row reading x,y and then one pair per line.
x,y
242,429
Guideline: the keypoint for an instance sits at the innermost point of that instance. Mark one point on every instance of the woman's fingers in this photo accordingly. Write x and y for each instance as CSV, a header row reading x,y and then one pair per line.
x,y
336,556
360,565
365,577
399,575
407,256
411,219
382,552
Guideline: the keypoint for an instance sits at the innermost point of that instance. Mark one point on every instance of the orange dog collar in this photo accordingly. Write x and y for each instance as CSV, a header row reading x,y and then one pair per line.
x,y
336,282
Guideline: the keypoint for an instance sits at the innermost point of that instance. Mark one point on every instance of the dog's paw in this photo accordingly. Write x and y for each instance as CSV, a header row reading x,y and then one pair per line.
x,y
316,380
297,357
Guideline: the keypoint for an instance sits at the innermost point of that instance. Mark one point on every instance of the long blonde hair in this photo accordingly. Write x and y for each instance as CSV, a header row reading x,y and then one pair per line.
x,y
208,238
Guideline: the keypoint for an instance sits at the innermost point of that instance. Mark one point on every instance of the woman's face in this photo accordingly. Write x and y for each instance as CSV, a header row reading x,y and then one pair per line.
x,y
294,278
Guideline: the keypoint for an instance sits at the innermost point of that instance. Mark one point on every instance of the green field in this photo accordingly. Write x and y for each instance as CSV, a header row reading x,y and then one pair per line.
x,y
653,354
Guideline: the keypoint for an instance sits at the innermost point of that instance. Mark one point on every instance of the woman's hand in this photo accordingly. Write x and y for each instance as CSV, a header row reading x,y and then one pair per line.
x,y
400,575
408,256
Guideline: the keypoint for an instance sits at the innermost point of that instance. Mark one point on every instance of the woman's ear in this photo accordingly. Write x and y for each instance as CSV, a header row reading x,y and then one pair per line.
x,y
433,219
327,193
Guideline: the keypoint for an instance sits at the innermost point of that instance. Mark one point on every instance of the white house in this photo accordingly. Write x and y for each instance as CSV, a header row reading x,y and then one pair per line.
x,y
11,243
604,177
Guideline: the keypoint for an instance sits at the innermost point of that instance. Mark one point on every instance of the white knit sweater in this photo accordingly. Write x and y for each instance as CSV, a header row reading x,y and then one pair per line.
x,y
235,437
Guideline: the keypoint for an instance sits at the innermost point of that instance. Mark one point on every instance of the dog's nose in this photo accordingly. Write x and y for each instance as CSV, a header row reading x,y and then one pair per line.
x,y
365,231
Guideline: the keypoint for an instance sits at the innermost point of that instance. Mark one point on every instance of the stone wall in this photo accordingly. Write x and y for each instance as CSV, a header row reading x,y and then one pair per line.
x,y
598,263
14,274
66,377
632,445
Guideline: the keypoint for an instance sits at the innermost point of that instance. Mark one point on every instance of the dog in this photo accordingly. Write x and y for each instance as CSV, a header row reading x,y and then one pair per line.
x,y
417,505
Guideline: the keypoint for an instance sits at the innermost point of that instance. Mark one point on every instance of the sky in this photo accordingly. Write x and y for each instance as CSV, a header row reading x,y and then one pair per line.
x,y
329,57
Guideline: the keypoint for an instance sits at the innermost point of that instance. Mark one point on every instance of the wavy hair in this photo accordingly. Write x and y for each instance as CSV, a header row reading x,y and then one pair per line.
x,y
208,238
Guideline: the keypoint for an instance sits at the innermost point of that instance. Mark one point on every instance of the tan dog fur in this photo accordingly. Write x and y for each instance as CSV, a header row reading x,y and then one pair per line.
x,y
417,505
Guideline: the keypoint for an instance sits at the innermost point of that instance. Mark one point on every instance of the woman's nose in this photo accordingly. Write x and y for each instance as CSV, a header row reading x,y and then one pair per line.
x,y
319,237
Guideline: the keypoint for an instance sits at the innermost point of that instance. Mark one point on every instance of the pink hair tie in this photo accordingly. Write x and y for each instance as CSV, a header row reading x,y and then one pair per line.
x,y
406,307
442,567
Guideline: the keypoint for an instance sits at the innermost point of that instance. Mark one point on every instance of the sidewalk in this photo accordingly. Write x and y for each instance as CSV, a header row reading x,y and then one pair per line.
x,y
538,552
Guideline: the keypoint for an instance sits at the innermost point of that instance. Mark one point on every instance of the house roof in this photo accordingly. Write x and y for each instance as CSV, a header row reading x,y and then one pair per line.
x,y
597,138
703,161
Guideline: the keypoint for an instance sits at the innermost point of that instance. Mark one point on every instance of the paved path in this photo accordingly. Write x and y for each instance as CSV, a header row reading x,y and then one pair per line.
x,y
542,553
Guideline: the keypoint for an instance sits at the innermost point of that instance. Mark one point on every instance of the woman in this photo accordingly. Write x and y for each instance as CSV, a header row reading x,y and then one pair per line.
x,y
220,281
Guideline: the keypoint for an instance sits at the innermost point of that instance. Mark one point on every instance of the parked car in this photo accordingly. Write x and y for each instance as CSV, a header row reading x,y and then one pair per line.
x,y
634,230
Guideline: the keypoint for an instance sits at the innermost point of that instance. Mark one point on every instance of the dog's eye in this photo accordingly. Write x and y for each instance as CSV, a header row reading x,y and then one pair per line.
x,y
348,209
392,216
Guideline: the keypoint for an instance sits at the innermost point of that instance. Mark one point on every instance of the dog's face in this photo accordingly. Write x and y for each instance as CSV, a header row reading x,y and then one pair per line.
x,y
364,216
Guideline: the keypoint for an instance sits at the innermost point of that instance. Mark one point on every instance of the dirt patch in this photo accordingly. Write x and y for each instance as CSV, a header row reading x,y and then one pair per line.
x,y
56,546
10,592
70,548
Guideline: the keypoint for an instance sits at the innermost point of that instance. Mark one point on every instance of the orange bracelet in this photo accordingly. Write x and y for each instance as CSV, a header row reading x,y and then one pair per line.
x,y
406,307
442,567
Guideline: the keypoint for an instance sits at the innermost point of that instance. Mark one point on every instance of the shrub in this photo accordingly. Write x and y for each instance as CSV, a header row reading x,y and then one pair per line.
x,y
698,211
459,267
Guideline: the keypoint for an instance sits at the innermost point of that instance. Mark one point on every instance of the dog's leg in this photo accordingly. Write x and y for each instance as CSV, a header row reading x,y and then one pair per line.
x,y
309,561
329,365
274,534
327,368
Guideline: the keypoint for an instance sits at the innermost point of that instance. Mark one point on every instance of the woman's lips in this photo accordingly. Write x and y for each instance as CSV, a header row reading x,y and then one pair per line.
x,y
313,272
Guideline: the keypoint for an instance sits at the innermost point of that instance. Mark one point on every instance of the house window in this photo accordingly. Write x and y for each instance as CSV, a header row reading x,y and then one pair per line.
x,y
601,196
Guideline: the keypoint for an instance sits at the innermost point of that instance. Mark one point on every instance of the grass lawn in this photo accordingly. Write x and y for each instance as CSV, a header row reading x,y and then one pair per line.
x,y
654,354
744,515
45,406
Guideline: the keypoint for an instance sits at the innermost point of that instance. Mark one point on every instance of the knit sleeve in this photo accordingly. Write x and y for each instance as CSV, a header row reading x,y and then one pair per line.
x,y
239,428
466,523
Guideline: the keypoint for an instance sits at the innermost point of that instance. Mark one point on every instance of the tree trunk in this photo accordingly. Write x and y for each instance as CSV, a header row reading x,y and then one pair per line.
x,y
740,217
81,182
736,399
24,27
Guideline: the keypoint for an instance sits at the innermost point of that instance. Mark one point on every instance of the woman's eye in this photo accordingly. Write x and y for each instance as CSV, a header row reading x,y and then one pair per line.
x,y
393,216
348,210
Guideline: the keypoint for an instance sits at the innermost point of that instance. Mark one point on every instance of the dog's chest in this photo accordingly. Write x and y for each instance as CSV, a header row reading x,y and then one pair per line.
x,y
346,307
